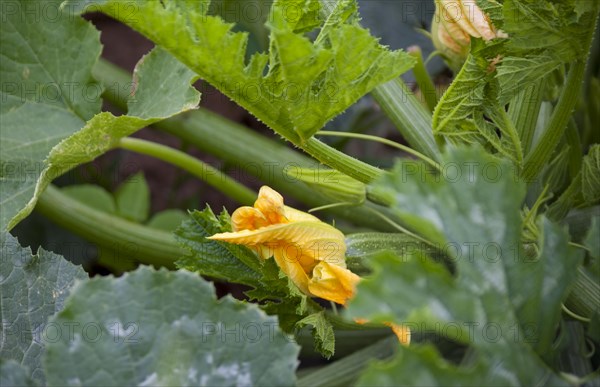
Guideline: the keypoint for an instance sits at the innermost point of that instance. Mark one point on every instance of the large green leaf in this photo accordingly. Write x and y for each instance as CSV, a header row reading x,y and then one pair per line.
x,y
14,374
299,85
32,288
48,94
502,302
165,328
44,134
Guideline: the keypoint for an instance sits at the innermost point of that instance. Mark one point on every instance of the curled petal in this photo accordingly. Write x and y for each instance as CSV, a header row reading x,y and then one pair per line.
x,y
333,283
270,204
248,218
317,240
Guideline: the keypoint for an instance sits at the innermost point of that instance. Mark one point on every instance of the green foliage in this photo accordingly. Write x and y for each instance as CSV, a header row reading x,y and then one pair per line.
x,y
238,264
14,374
540,38
501,301
32,288
49,135
167,329
299,85
167,220
65,97
322,332
133,198
584,189
92,195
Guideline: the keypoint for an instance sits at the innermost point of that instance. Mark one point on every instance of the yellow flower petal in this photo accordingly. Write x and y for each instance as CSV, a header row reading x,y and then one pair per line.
x,y
270,204
402,332
333,282
311,253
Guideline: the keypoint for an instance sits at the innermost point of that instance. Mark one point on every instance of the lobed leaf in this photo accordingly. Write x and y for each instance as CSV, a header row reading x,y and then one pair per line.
x,y
32,288
502,302
298,86
168,328
43,134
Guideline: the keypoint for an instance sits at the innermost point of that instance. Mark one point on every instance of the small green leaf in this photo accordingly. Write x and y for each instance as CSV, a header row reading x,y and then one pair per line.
x,y
463,97
93,196
167,220
211,258
515,73
167,328
133,198
32,288
322,332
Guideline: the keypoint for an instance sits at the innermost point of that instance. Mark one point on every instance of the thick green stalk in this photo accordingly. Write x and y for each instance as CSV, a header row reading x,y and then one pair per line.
x,y
423,79
348,165
542,151
381,140
212,176
570,95
409,115
133,241
347,370
524,110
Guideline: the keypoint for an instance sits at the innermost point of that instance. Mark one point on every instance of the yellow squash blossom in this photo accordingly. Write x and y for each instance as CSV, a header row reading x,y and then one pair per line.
x,y
310,252
454,23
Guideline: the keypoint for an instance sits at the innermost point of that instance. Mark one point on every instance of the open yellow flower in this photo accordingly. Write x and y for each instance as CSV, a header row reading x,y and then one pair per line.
x,y
308,251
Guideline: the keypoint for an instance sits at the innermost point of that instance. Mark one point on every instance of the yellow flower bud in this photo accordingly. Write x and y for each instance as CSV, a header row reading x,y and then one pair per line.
x,y
453,25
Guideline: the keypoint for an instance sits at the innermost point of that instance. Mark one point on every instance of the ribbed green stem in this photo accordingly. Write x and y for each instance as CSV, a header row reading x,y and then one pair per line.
x,y
212,176
347,370
584,298
136,242
409,115
423,79
524,110
383,141
348,165
575,151
542,151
